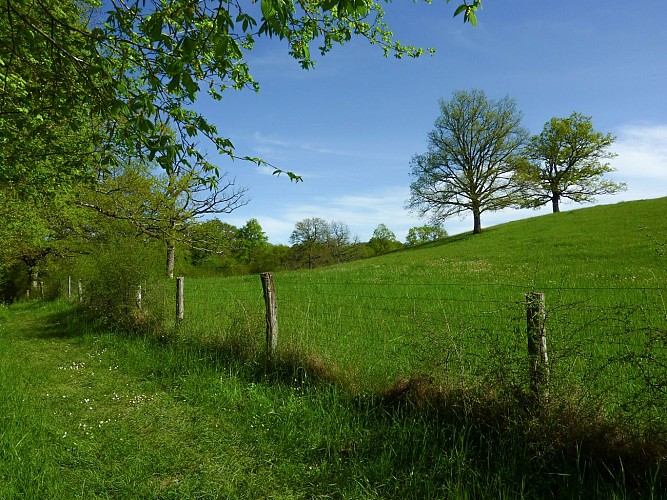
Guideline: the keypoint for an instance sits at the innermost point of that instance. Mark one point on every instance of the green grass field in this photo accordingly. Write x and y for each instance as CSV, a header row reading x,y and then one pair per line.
x,y
456,308
192,412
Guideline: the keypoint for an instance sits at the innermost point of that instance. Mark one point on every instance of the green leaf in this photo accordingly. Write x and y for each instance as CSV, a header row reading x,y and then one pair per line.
x,y
153,28
329,4
174,84
460,9
268,9
191,87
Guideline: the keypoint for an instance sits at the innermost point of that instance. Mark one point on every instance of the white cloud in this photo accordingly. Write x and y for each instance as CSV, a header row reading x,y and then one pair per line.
x,y
361,212
272,143
641,161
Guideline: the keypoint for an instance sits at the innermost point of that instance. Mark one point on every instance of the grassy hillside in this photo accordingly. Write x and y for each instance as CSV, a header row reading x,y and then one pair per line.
x,y
603,245
398,377
456,308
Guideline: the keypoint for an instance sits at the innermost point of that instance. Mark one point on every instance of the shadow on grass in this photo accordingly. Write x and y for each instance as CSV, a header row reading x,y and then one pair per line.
x,y
572,448
569,446
51,320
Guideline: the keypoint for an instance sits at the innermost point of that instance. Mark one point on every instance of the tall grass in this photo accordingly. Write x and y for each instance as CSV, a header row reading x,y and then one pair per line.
x,y
93,414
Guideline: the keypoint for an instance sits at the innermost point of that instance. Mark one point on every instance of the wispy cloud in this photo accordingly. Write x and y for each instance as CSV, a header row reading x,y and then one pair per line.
x,y
641,160
361,212
273,143
641,163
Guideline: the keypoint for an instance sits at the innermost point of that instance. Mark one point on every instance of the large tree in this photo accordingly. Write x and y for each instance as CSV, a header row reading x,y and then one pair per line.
x,y
338,241
309,239
317,241
566,160
383,240
163,203
210,239
470,160
34,231
250,238
143,63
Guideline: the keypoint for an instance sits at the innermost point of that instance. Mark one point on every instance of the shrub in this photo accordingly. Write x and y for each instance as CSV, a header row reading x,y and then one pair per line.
x,y
111,279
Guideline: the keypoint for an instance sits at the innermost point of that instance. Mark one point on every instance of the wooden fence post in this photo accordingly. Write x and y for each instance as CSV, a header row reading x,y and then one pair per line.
x,y
80,286
179,298
69,287
269,288
41,290
537,345
139,297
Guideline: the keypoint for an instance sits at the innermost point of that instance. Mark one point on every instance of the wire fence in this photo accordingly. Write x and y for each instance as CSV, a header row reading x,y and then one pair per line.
x,y
607,342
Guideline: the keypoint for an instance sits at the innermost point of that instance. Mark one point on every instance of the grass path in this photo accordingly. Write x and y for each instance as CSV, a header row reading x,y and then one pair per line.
x,y
86,416
102,415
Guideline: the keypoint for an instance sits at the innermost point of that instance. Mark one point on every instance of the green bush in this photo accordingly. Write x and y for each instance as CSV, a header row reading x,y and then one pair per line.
x,y
111,279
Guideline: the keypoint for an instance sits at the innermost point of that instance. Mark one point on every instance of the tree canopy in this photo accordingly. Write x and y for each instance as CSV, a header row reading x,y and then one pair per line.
x,y
46,127
424,234
470,160
131,74
383,240
566,160
102,95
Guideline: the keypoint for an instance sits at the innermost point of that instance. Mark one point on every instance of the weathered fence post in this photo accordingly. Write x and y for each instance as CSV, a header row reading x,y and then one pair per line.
x,y
179,298
80,287
537,345
139,297
69,287
41,290
269,288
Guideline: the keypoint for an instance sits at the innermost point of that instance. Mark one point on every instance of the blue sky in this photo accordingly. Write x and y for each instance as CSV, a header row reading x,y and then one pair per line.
x,y
350,126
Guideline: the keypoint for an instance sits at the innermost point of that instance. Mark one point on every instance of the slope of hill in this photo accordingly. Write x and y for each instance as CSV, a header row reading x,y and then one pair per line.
x,y
457,306
601,245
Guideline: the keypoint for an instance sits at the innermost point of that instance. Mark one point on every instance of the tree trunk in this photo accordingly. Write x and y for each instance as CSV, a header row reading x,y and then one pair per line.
x,y
34,277
555,203
477,216
170,259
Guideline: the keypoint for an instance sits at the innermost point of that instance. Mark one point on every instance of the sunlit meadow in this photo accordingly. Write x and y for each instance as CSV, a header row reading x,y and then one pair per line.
x,y
403,376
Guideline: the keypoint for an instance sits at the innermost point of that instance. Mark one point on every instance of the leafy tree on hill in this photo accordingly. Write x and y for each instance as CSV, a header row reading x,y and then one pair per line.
x,y
383,240
470,160
317,241
250,239
338,241
219,247
211,238
424,234
566,160
310,238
